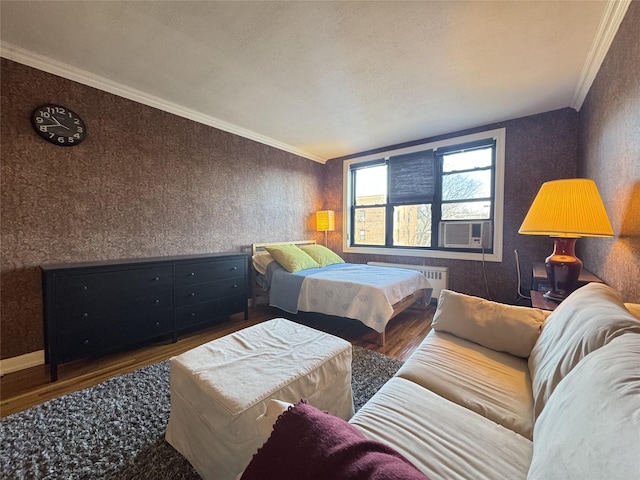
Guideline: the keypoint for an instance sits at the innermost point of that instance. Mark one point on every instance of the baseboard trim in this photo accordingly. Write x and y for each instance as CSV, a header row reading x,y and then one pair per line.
x,y
28,360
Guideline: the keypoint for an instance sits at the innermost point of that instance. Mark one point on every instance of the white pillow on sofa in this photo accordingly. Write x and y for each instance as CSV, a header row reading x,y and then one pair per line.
x,y
590,427
589,318
500,327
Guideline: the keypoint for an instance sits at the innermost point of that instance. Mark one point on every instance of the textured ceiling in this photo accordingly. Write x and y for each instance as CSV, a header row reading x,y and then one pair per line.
x,y
320,79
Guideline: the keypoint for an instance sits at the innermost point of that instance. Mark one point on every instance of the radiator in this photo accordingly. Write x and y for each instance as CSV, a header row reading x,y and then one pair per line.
x,y
438,276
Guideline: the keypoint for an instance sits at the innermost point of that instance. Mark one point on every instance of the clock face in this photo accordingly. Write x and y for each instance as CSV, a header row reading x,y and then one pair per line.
x,y
58,125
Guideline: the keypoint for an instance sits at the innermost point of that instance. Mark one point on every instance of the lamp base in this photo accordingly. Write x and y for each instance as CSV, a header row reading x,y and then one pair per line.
x,y
563,269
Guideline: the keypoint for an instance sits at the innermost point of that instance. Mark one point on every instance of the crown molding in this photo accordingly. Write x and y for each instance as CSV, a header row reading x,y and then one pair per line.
x,y
611,20
46,64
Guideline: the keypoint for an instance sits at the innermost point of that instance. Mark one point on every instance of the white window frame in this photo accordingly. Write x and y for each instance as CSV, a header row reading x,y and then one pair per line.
x,y
499,135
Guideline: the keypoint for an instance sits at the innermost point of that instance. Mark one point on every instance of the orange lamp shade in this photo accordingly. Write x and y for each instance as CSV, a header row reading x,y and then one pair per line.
x,y
569,208
325,221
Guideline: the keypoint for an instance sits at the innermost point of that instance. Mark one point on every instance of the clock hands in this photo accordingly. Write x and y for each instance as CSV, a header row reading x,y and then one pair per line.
x,y
59,124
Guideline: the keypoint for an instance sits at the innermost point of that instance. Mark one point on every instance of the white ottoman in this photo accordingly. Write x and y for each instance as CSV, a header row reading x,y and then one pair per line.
x,y
219,389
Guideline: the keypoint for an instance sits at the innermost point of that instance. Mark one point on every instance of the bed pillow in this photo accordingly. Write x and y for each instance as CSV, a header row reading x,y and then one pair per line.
x,y
292,258
500,327
588,319
261,261
321,254
314,445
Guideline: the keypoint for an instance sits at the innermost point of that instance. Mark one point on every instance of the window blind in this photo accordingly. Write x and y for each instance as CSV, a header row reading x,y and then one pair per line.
x,y
412,178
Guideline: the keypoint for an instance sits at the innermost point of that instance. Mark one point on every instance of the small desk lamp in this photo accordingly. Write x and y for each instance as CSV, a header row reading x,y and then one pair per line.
x,y
566,210
325,222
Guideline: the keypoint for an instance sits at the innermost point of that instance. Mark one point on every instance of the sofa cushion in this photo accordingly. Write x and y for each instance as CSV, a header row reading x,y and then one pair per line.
x,y
505,328
494,384
590,427
307,443
441,438
589,318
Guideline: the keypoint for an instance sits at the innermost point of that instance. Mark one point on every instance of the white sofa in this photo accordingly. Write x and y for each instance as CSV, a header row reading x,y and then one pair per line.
x,y
503,392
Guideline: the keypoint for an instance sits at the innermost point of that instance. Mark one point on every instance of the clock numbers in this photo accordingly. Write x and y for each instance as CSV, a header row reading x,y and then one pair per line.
x,y
58,125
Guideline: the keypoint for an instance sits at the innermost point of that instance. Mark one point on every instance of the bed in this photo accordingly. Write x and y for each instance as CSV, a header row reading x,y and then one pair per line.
x,y
372,295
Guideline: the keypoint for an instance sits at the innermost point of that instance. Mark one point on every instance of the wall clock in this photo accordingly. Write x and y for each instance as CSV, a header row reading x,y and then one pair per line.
x,y
58,125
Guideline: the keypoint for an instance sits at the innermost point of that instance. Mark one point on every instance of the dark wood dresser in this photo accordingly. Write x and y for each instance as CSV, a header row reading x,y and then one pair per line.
x,y
97,307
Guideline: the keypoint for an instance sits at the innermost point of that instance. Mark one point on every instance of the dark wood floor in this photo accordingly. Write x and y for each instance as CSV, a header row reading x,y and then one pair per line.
x,y
29,387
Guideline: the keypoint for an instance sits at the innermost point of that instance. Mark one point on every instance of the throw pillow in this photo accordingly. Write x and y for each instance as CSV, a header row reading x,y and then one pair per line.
x,y
500,327
589,318
321,254
309,444
292,258
590,427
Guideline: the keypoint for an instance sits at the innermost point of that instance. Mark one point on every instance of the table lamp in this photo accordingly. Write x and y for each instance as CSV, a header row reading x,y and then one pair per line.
x,y
566,210
325,222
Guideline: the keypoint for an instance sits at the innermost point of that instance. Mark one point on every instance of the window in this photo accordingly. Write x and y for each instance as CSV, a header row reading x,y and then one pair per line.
x,y
414,200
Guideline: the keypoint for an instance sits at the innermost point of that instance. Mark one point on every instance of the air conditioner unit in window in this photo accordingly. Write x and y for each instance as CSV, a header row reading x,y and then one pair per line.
x,y
465,234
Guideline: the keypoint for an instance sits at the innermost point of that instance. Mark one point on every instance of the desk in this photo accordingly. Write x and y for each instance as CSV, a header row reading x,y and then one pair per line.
x,y
540,283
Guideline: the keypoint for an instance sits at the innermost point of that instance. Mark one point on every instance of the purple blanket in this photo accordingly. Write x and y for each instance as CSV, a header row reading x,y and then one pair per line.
x,y
309,444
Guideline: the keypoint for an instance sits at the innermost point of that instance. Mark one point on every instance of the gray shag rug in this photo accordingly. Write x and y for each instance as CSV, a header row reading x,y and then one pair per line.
x,y
116,429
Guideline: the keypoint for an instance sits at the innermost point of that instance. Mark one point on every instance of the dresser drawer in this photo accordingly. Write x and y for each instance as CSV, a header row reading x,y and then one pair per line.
x,y
122,286
230,286
92,318
190,273
194,294
191,315
88,341
230,305
208,291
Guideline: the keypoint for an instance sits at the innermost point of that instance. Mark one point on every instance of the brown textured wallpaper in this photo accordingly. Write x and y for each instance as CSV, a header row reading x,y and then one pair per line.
x,y
144,183
538,148
610,154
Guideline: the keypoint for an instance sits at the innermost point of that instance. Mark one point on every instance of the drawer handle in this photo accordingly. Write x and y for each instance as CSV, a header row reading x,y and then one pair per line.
x,y
156,279
157,324
156,301
234,268
192,294
193,314
192,274
235,286
84,287
86,342
85,315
